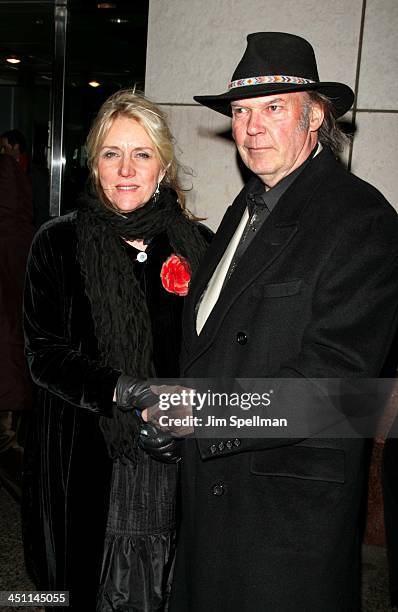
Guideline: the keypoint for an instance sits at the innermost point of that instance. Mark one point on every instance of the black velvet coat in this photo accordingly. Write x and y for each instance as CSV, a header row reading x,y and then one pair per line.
x,y
68,471
315,294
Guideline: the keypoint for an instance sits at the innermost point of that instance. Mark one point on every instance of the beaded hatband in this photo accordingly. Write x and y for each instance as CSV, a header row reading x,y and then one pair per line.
x,y
274,78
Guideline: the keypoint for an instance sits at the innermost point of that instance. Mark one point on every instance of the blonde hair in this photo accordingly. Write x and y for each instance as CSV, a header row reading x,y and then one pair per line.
x,y
133,104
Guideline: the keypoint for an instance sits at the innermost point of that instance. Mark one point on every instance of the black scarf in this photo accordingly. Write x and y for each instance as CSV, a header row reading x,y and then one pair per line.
x,y
121,318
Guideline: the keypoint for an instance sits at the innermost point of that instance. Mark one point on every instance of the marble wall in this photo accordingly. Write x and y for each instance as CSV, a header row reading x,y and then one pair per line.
x,y
194,46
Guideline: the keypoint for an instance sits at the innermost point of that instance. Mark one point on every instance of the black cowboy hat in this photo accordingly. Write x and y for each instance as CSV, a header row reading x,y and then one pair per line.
x,y
277,62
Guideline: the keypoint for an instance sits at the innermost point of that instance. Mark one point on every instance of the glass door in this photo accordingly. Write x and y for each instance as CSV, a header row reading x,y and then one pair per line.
x,y
26,74
59,60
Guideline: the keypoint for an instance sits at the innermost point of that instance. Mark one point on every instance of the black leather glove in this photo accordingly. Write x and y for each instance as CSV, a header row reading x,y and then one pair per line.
x,y
159,445
134,393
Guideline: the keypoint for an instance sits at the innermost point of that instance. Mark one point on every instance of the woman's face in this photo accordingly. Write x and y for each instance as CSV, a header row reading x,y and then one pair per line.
x,y
128,165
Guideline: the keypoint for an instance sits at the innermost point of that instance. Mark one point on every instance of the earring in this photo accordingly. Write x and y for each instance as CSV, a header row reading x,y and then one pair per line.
x,y
156,194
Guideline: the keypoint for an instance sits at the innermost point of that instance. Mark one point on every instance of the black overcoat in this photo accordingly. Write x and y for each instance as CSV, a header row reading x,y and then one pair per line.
x,y
314,295
68,470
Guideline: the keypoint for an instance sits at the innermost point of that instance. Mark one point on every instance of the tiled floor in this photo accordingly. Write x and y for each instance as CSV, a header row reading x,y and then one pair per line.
x,y
12,569
13,575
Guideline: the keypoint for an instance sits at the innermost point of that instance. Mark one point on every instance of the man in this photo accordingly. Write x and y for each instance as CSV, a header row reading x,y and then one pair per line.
x,y
301,280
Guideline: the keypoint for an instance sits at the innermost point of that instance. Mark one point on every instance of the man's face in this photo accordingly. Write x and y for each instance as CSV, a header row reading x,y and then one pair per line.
x,y
275,134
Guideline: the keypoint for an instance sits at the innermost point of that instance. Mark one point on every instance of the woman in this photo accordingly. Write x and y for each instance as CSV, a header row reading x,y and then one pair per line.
x,y
102,312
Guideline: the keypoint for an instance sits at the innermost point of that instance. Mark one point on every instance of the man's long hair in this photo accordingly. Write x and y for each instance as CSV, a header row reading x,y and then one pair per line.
x,y
330,132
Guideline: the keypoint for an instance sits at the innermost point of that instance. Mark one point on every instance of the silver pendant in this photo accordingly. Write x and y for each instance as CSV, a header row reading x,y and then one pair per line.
x,y
142,256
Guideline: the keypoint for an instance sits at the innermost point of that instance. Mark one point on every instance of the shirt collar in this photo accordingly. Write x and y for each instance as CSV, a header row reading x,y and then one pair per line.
x,y
258,196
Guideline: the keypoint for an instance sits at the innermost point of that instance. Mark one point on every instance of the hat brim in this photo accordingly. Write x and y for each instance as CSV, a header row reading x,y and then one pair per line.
x,y
341,95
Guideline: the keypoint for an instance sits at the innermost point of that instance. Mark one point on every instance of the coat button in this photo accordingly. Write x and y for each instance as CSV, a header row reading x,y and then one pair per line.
x,y
218,489
213,449
241,337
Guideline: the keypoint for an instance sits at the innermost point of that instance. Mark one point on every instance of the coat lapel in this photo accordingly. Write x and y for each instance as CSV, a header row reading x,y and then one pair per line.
x,y
213,255
268,246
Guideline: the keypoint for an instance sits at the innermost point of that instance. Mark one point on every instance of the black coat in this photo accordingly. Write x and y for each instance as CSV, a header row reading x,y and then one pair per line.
x,y
68,472
315,295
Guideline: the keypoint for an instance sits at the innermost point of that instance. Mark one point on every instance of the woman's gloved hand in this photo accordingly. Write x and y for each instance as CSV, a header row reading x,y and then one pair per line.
x,y
159,445
134,393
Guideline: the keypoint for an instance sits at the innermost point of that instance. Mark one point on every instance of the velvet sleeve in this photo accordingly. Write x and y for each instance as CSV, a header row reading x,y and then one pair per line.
x,y
55,360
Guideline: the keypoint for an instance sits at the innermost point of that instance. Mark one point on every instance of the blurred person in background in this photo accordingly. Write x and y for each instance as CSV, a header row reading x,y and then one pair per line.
x,y
16,232
13,142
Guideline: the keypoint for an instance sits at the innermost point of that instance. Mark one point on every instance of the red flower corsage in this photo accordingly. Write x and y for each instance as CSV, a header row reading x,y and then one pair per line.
x,y
176,274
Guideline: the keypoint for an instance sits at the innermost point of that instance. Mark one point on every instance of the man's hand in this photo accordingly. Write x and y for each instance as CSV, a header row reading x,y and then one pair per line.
x,y
172,402
173,411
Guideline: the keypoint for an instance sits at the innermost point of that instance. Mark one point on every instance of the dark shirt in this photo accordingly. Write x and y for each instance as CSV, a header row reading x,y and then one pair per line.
x,y
260,204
